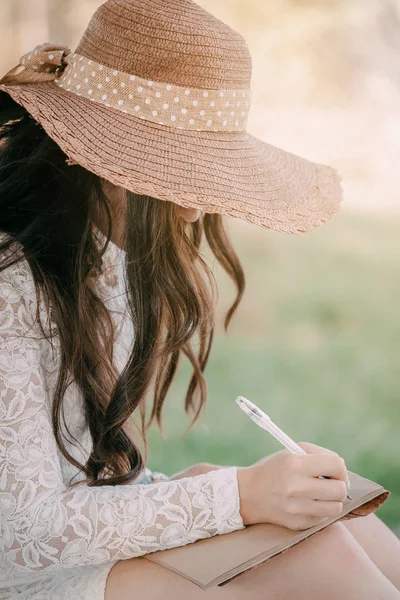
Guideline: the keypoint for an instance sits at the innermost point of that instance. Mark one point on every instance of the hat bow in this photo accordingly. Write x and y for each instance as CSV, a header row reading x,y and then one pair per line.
x,y
44,63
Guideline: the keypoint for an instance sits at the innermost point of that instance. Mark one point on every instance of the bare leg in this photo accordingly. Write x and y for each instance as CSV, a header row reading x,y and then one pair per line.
x,y
330,565
380,543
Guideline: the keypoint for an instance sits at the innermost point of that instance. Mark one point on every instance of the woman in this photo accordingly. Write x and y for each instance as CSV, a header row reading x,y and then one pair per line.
x,y
136,148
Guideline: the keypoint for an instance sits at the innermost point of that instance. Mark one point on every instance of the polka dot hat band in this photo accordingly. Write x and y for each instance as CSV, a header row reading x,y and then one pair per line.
x,y
160,102
156,99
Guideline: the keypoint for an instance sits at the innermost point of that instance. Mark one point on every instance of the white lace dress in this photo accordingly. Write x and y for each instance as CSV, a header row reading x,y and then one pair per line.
x,y
57,542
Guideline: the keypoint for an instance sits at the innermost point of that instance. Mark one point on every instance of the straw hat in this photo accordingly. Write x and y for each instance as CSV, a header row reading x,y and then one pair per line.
x,y
155,99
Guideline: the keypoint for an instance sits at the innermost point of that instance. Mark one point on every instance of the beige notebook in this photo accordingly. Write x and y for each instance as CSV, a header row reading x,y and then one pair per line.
x,y
217,560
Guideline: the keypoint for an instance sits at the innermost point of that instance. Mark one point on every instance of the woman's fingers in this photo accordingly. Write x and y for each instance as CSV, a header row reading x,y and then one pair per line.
x,y
330,465
314,449
324,489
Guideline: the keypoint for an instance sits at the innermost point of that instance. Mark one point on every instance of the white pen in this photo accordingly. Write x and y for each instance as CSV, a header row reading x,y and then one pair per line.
x,y
264,421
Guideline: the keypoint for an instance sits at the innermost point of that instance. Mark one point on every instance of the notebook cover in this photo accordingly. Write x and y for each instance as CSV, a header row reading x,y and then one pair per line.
x,y
217,560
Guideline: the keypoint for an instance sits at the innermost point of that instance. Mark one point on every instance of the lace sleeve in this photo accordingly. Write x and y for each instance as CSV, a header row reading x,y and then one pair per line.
x,y
45,525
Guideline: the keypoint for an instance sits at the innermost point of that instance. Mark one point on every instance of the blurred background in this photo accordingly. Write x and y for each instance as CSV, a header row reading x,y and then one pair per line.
x,y
316,341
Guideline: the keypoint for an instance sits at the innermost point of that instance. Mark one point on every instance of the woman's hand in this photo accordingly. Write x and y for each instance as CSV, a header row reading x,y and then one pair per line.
x,y
198,469
284,488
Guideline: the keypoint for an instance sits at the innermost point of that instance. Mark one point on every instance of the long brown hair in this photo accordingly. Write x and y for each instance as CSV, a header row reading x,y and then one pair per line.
x,y
171,290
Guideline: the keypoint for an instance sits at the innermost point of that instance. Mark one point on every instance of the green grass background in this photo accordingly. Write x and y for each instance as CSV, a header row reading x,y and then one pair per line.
x,y
316,343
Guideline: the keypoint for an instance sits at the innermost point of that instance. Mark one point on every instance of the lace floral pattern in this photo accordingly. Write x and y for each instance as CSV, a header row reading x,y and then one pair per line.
x,y
56,535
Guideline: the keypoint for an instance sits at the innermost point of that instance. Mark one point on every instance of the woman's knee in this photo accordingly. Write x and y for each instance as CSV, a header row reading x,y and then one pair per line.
x,y
335,543
321,560
336,533
336,537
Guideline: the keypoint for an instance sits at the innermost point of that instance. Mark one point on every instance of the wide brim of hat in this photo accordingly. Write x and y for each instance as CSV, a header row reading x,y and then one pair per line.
x,y
231,173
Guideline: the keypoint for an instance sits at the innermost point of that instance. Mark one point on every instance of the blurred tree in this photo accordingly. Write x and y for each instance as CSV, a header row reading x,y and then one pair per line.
x,y
59,21
8,33
29,24
390,31
69,19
